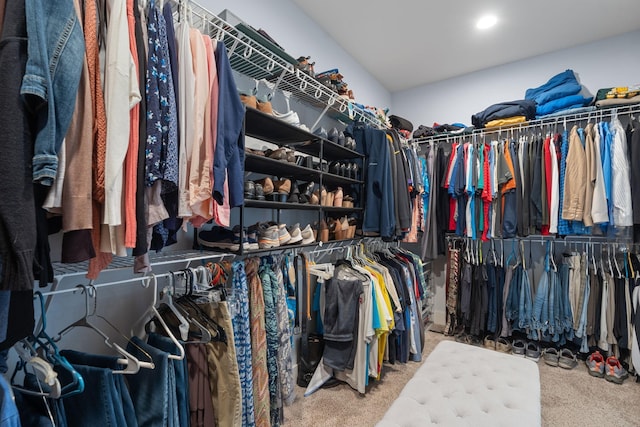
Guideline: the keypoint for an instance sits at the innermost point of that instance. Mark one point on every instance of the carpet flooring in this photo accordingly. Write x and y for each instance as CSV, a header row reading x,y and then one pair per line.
x,y
568,398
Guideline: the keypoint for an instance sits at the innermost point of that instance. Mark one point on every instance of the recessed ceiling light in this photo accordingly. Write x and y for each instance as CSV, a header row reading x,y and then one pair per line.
x,y
486,22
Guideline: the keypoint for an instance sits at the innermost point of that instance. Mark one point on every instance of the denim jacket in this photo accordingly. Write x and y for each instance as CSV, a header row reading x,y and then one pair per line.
x,y
50,83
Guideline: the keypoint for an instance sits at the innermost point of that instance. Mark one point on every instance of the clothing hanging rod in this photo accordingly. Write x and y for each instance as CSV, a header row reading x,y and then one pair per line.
x,y
597,114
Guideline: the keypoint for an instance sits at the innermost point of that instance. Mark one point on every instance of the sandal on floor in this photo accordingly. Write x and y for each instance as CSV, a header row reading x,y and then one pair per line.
x,y
489,342
533,351
503,345
518,348
550,356
567,359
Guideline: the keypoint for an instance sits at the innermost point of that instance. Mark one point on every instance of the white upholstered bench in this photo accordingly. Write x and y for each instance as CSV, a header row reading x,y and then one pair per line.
x,y
464,385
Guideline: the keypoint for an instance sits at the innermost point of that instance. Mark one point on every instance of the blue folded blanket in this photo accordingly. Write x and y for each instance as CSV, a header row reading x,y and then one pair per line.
x,y
567,76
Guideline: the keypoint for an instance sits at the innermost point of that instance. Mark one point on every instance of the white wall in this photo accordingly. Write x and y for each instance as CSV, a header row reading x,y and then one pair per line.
x,y
299,35
605,63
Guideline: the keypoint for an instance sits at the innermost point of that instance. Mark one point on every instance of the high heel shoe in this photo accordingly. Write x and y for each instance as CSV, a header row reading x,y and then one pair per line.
x,y
323,196
305,191
323,231
315,198
337,197
294,195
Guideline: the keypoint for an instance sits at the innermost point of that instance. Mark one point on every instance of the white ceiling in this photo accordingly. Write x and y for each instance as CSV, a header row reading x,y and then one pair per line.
x,y
409,43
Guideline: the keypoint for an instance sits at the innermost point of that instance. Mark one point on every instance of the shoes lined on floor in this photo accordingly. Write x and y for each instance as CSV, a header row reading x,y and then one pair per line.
x,y
609,369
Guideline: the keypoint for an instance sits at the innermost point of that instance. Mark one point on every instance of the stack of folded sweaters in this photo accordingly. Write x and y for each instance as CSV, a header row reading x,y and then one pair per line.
x,y
562,92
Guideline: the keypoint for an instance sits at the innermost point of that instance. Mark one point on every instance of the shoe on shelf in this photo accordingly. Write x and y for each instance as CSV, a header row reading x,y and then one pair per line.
x,y
595,364
249,100
219,238
550,356
278,154
268,237
333,135
294,194
533,351
321,132
306,191
341,138
290,118
614,372
249,190
503,345
240,234
347,201
337,197
252,237
307,235
291,156
323,231
259,192
323,196
265,107
267,185
315,198
519,347
283,234
282,187
567,359
295,233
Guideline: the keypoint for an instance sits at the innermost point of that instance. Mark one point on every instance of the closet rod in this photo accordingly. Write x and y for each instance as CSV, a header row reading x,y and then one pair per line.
x,y
532,124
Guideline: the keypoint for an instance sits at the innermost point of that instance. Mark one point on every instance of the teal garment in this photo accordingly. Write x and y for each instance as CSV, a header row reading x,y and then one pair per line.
x,y
242,339
269,290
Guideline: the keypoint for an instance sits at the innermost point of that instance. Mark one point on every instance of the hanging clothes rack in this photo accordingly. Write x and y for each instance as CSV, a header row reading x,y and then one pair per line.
x,y
563,120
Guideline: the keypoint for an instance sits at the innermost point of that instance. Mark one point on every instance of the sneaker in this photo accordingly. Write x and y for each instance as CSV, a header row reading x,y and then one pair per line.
x,y
533,351
283,234
550,356
567,359
252,238
220,238
519,347
268,237
614,372
307,235
296,234
595,364
236,237
291,117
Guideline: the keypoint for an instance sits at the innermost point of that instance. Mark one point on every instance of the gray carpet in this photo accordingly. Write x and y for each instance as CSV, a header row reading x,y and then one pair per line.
x,y
568,397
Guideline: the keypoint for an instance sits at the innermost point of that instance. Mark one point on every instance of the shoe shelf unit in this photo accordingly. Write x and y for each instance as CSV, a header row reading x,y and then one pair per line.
x,y
267,128
251,58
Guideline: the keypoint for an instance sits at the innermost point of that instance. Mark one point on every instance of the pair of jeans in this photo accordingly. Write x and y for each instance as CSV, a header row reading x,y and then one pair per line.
x,y
105,400
540,315
153,390
50,82
525,307
181,375
5,301
269,285
566,313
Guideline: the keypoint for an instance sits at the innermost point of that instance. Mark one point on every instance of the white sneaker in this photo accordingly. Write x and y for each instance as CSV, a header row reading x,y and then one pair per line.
x,y
283,234
296,234
307,235
291,117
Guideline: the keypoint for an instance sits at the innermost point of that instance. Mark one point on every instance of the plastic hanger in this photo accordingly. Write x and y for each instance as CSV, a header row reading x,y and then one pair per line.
x,y
166,298
43,341
152,312
131,363
42,369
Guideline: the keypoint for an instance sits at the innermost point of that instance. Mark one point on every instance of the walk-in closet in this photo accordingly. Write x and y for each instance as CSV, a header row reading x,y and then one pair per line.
x,y
288,213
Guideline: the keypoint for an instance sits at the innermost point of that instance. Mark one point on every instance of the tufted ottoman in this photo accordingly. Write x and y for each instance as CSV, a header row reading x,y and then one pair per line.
x,y
463,385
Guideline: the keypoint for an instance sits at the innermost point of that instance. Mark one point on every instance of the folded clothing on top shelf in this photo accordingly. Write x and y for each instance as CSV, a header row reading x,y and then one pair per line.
x,y
560,92
503,110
